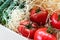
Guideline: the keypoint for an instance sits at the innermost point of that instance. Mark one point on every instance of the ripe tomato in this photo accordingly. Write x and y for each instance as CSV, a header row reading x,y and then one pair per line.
x,y
38,15
27,28
55,19
42,34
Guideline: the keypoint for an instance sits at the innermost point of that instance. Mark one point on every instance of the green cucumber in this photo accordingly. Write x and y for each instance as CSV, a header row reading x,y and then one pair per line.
x,y
2,7
5,4
1,2
5,15
4,19
12,6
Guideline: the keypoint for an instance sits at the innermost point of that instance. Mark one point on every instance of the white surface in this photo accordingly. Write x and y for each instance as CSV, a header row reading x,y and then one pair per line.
x,y
6,34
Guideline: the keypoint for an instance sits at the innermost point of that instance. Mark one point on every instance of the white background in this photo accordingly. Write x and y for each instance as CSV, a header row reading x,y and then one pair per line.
x,y
6,34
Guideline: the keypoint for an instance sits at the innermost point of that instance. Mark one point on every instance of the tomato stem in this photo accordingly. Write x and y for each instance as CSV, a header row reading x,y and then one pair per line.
x,y
50,30
38,10
29,26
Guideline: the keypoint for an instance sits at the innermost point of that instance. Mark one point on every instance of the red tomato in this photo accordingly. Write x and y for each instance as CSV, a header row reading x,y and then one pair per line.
x,y
42,34
38,15
55,19
27,29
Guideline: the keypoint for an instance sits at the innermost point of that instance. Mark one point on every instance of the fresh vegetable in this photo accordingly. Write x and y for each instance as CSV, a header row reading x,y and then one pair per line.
x,y
4,5
4,18
42,34
4,15
55,19
27,28
1,2
38,15
13,4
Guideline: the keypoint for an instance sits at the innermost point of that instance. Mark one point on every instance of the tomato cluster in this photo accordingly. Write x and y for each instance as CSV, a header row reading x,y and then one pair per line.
x,y
32,28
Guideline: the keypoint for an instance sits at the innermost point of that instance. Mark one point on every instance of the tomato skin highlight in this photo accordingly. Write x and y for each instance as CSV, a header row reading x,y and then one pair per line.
x,y
55,22
27,32
41,34
39,17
